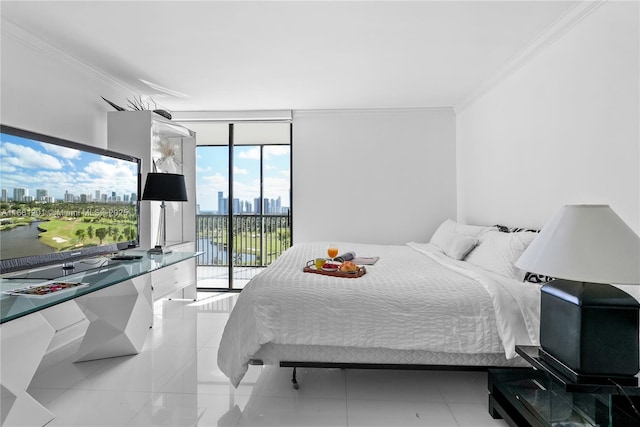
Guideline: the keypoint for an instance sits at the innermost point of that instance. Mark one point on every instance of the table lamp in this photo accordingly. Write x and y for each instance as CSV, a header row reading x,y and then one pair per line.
x,y
589,329
166,187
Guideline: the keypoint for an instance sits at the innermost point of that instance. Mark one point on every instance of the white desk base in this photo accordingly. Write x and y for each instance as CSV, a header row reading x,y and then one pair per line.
x,y
24,343
120,317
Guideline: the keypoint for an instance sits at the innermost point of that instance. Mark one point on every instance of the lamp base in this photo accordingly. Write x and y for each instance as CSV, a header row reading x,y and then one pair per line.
x,y
160,250
589,330
579,378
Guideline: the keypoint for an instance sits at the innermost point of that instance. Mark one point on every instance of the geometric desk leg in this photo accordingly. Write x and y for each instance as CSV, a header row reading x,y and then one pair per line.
x,y
24,343
119,319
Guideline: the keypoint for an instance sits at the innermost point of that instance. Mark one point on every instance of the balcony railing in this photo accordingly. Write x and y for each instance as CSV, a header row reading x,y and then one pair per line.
x,y
257,239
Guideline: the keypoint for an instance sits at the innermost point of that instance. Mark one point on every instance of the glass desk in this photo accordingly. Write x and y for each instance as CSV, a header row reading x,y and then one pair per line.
x,y
106,272
541,396
115,298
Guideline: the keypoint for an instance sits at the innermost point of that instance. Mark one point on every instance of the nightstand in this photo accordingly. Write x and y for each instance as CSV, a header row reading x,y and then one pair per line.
x,y
542,396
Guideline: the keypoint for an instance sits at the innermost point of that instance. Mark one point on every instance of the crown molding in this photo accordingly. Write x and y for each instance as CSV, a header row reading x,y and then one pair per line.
x,y
11,29
232,116
370,111
554,32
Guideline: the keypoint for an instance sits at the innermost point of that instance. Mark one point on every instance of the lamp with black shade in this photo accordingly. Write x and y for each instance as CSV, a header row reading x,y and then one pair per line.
x,y
165,187
589,329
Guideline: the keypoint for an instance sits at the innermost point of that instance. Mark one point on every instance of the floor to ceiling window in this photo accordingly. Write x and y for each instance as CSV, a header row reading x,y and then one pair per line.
x,y
243,196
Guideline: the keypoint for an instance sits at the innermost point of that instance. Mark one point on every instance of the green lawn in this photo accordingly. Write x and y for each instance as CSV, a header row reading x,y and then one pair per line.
x,y
61,234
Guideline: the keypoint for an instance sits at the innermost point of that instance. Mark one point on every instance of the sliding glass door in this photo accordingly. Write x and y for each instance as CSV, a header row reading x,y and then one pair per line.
x,y
244,201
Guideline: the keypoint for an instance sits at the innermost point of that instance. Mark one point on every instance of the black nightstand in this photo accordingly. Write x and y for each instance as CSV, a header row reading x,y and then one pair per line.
x,y
542,396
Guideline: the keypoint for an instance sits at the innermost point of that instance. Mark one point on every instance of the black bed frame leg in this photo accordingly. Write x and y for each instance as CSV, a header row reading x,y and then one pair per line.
x,y
294,380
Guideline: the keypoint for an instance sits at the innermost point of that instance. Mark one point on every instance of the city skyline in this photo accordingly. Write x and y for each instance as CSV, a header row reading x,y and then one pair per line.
x,y
212,167
59,170
21,194
270,206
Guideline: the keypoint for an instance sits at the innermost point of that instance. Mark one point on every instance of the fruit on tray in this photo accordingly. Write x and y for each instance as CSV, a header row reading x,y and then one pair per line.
x,y
330,266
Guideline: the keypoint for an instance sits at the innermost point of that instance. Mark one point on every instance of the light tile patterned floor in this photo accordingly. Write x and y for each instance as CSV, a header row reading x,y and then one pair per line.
x,y
175,381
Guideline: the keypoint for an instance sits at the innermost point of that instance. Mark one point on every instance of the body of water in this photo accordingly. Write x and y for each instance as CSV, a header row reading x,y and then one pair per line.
x,y
214,255
22,241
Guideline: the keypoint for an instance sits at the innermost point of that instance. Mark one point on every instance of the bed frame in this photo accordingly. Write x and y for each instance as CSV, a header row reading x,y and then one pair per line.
x,y
396,366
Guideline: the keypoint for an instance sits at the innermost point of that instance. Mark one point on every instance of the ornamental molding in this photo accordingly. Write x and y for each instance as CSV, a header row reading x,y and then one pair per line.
x,y
554,32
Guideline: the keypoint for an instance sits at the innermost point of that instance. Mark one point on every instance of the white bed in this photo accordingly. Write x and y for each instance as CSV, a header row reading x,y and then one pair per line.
x,y
415,306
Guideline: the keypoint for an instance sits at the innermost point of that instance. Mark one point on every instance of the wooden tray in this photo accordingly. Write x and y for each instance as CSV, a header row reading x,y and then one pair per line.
x,y
361,272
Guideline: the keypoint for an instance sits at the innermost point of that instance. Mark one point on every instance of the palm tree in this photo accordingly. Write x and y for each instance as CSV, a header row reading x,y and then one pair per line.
x,y
101,233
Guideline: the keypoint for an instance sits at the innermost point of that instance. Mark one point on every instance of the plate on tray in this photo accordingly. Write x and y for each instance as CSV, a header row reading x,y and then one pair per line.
x,y
45,289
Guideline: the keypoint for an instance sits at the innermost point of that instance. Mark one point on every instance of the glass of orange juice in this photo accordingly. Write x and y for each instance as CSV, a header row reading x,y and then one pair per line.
x,y
332,251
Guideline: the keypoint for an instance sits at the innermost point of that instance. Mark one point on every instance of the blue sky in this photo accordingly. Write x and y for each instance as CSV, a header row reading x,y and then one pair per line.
x,y
36,165
212,166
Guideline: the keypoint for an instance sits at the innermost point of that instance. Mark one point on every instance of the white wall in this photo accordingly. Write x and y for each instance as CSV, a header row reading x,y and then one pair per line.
x,y
563,129
45,91
372,176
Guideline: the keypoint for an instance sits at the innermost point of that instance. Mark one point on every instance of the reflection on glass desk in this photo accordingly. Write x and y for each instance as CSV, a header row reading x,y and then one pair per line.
x,y
539,396
105,272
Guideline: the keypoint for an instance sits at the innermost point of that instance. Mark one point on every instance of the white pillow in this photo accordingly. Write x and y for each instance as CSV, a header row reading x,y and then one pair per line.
x,y
443,233
449,227
499,251
459,245
472,230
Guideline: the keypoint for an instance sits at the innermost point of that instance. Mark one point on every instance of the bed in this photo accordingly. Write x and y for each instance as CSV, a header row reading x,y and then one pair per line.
x,y
420,305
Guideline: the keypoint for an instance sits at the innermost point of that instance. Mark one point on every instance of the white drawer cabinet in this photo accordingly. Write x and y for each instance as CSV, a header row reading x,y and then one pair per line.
x,y
175,281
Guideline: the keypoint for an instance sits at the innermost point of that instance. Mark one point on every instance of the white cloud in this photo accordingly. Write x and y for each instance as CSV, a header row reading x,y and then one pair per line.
x,y
207,191
64,152
277,187
240,171
200,169
27,157
276,150
251,154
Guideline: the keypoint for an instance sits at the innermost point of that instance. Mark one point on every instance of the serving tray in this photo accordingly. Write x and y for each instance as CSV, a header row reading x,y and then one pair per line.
x,y
46,289
312,269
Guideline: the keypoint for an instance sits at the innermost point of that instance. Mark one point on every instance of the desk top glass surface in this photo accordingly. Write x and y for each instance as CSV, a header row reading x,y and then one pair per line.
x,y
103,272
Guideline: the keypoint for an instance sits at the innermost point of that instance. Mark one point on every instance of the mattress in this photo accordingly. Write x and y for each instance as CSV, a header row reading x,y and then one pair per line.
x,y
414,299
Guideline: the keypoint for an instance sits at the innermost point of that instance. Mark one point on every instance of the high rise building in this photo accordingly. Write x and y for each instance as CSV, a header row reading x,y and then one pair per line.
x,y
221,203
41,194
5,197
19,194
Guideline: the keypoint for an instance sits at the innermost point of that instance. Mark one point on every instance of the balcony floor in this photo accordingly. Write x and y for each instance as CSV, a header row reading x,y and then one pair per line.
x,y
218,277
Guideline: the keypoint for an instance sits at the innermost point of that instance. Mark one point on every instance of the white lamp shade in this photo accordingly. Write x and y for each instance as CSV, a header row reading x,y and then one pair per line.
x,y
585,243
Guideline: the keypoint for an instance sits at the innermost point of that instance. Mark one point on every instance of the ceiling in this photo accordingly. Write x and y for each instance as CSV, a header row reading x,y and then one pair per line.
x,y
238,55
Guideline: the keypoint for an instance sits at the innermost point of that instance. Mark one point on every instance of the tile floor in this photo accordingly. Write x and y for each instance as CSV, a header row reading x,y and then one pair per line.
x,y
175,381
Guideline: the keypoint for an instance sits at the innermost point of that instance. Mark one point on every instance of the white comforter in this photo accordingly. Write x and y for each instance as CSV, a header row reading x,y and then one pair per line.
x,y
413,298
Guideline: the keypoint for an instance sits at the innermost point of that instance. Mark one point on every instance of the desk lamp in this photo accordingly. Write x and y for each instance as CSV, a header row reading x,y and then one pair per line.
x,y
166,187
588,328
